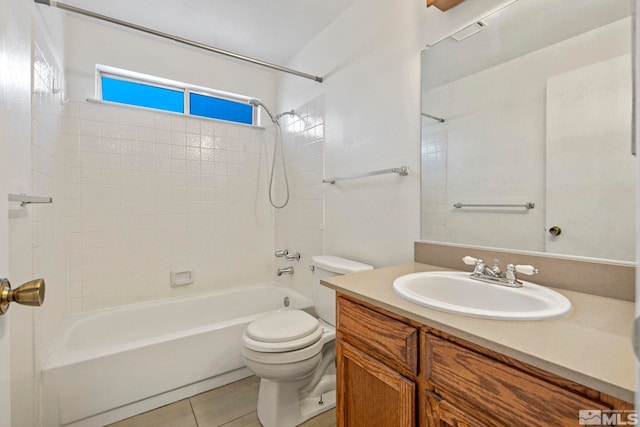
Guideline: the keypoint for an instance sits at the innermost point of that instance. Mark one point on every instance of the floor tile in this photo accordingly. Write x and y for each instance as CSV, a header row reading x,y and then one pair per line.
x,y
249,420
225,404
178,414
233,405
326,419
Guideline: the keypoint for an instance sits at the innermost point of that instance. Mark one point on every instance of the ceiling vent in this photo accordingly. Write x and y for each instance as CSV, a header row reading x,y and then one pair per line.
x,y
472,29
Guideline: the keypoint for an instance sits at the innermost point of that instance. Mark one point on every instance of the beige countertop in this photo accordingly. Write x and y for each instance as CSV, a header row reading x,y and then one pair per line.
x,y
591,346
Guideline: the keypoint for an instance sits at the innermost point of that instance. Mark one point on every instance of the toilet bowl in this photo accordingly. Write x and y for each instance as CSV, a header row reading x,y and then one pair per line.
x,y
293,353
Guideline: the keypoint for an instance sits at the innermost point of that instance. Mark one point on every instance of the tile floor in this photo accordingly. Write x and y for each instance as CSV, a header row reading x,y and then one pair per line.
x,y
233,405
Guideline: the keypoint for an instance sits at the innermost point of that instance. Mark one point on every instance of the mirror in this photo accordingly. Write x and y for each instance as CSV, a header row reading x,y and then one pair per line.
x,y
526,128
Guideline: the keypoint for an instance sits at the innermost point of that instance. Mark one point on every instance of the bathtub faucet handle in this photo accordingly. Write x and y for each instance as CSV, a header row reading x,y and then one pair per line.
x,y
293,257
281,253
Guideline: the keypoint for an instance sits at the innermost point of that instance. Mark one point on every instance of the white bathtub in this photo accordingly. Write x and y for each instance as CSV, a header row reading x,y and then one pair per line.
x,y
110,364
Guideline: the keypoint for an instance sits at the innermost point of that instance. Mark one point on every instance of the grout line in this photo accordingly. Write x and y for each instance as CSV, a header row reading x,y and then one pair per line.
x,y
237,418
193,412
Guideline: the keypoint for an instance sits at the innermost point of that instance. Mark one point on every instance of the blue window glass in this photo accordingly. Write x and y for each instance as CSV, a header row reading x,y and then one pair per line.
x,y
222,109
126,92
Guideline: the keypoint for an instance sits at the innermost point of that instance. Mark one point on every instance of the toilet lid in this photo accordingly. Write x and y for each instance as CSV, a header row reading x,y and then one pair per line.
x,y
283,326
282,347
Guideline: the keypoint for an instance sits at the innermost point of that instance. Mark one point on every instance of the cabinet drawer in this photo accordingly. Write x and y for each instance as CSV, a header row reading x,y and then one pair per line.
x,y
496,393
387,339
443,414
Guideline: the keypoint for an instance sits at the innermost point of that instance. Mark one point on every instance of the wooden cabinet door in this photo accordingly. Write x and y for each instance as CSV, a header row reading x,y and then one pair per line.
x,y
370,394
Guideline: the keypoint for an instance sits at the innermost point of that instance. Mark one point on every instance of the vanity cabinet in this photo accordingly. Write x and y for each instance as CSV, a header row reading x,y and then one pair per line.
x,y
393,371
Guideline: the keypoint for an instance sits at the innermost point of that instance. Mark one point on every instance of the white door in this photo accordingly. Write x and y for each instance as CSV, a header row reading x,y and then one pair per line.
x,y
5,337
636,79
5,406
591,175
7,49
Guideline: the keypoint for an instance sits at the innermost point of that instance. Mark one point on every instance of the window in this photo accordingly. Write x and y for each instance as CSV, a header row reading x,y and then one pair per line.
x,y
142,95
125,87
218,108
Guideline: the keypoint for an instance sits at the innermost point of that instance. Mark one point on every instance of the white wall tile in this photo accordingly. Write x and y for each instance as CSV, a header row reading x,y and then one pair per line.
x,y
142,193
299,224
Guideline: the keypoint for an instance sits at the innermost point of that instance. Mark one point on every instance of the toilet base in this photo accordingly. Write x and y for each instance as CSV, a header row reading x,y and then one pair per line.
x,y
281,405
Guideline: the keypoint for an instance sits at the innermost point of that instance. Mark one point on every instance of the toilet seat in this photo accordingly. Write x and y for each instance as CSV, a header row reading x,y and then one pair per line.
x,y
287,330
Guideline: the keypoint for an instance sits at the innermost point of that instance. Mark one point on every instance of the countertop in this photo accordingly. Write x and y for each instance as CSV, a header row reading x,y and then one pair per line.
x,y
591,346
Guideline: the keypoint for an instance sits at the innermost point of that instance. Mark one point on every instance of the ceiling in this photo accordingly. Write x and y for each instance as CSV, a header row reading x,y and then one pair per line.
x,y
269,30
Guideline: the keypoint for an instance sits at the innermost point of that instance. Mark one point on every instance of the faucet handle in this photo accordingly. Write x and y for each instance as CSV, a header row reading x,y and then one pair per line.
x,y
526,269
496,267
479,264
469,260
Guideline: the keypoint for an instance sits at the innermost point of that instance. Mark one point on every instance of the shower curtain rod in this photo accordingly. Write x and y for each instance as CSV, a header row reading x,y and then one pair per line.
x,y
90,14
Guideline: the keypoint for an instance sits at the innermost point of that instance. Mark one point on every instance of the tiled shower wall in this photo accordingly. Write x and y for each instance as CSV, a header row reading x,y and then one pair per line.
x,y
150,193
435,203
47,153
300,225
33,337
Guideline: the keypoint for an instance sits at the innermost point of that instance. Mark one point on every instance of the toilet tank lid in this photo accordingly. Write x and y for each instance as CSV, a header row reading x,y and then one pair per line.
x,y
338,265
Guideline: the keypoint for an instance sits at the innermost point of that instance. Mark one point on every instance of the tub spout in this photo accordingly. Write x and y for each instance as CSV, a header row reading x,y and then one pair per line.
x,y
286,270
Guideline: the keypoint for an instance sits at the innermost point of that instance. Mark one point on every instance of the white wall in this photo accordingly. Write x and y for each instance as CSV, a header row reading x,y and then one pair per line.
x,y
370,58
89,43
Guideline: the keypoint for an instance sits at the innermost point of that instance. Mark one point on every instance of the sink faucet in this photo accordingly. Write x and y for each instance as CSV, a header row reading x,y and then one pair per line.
x,y
494,274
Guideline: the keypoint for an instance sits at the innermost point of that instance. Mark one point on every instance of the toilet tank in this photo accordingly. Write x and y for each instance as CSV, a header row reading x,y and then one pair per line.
x,y
325,266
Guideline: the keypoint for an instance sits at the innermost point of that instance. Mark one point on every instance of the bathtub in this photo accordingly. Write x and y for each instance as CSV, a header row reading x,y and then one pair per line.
x,y
111,364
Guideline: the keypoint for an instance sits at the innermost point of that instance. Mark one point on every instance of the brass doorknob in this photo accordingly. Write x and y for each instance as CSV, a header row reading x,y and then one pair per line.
x,y
555,230
30,293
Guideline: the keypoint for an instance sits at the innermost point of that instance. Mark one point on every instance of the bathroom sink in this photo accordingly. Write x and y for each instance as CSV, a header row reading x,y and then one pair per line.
x,y
455,292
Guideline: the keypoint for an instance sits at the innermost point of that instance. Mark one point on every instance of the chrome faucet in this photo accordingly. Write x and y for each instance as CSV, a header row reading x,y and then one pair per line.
x,y
494,274
293,257
286,270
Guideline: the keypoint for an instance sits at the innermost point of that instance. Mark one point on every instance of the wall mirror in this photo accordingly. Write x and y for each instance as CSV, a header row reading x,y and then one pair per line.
x,y
526,128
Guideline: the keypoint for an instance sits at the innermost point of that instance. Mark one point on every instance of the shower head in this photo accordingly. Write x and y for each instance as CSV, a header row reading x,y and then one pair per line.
x,y
275,119
291,113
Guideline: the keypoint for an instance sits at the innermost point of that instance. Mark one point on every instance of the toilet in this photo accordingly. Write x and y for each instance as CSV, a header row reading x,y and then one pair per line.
x,y
293,352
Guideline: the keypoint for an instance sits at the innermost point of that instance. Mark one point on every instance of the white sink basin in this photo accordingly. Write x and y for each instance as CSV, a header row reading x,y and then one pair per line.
x,y
455,292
